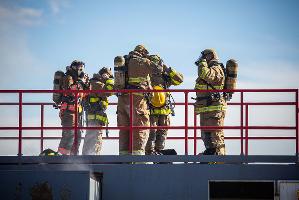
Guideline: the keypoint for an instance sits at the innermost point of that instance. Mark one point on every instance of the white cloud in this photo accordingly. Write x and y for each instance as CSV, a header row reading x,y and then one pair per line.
x,y
17,61
20,16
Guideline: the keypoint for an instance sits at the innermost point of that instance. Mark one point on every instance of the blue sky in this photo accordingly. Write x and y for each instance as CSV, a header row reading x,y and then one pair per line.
x,y
38,38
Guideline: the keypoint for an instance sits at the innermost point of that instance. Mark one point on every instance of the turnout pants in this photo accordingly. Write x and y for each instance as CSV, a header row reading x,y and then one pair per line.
x,y
140,118
157,137
93,139
213,139
67,142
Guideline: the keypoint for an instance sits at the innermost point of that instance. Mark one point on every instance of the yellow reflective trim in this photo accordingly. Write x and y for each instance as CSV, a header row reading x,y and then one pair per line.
x,y
80,109
93,99
90,117
162,111
200,87
205,87
138,152
172,73
98,117
204,72
137,80
105,103
109,87
110,81
123,152
102,118
175,82
96,99
134,152
210,109
138,94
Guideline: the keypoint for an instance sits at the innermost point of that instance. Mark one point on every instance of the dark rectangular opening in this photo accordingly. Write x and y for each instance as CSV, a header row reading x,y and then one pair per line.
x,y
241,190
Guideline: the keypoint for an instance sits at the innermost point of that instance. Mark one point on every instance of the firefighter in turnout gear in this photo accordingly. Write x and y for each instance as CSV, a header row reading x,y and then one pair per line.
x,y
95,106
211,106
161,105
138,70
73,79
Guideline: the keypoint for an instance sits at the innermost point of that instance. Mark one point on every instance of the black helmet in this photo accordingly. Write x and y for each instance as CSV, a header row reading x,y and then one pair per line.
x,y
107,71
77,63
78,67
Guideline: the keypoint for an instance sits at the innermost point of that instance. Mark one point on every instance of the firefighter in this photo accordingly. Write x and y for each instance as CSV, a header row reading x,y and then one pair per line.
x,y
74,79
161,105
138,72
95,107
211,106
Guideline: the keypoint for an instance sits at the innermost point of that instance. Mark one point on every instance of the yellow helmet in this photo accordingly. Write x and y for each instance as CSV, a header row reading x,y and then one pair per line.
x,y
158,99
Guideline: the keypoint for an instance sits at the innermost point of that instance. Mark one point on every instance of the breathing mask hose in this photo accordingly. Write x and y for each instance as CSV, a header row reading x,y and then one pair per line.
x,y
171,104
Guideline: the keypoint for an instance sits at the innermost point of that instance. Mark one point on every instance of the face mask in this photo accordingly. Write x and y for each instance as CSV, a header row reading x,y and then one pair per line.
x,y
198,61
105,76
80,70
81,74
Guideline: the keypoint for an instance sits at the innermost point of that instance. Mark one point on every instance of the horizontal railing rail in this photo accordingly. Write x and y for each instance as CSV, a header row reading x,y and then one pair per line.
x,y
243,127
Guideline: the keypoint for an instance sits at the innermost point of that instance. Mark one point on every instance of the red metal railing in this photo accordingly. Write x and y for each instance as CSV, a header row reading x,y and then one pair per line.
x,y
186,126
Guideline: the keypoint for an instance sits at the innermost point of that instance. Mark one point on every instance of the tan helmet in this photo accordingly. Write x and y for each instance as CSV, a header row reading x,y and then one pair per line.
x,y
107,71
155,59
119,61
141,49
209,51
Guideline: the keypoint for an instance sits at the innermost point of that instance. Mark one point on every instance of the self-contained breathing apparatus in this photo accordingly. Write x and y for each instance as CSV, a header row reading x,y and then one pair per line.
x,y
121,70
120,73
230,82
77,74
170,100
95,106
162,102
57,85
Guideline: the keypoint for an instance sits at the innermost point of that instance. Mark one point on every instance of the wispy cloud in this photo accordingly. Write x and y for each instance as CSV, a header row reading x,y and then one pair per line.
x,y
57,5
269,75
16,57
20,16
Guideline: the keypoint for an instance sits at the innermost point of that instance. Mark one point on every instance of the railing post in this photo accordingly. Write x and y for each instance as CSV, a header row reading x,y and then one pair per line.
x,y
42,127
131,124
76,124
297,132
20,124
246,129
195,133
186,123
241,124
